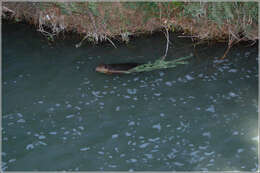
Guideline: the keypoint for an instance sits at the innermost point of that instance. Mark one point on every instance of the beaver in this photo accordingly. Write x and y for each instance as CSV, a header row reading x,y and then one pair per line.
x,y
116,68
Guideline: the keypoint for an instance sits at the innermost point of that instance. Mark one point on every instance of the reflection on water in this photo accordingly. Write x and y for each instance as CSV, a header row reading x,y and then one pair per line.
x,y
58,114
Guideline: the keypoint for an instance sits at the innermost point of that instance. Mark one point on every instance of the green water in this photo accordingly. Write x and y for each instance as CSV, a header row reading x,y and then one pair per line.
x,y
59,114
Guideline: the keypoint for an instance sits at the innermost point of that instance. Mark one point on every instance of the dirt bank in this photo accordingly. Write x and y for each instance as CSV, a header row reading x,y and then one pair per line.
x,y
99,21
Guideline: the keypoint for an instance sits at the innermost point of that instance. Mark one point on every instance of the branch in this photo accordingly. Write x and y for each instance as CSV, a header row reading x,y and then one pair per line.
x,y
111,42
167,44
5,9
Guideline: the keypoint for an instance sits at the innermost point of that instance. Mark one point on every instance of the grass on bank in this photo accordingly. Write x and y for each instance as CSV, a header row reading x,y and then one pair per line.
x,y
102,21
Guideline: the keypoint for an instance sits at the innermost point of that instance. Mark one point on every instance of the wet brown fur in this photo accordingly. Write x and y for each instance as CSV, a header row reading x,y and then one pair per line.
x,y
115,68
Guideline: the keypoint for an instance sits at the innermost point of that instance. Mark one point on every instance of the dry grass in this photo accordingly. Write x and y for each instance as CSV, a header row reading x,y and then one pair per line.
x,y
105,20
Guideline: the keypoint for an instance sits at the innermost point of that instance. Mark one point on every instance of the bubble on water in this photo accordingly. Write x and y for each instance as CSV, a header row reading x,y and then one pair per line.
x,y
81,127
70,116
144,145
66,132
52,133
247,54
172,99
131,123
84,149
207,134
149,156
40,102
101,153
115,136
178,164
19,115
162,114
112,166
51,109
133,160
171,155
168,83
96,93
256,138
211,109
154,139
136,79
157,126
127,97
161,73
128,134
218,61
21,121
57,105
29,147
235,133
68,105
118,108
240,150
188,77
141,137
208,153
197,108
77,107
157,94
11,160
231,94
41,137
203,147
40,143
131,91
232,70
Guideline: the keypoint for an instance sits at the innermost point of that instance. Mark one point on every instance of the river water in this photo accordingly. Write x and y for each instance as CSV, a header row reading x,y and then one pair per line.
x,y
59,114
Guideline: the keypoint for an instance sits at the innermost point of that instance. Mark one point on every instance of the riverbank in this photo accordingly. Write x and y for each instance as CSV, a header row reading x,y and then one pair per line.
x,y
105,21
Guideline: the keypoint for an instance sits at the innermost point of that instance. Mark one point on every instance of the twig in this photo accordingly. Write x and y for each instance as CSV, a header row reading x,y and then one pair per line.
x,y
167,44
111,42
5,9
233,39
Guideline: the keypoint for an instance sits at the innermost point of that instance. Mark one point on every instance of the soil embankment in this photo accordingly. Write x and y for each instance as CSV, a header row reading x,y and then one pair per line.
x,y
99,21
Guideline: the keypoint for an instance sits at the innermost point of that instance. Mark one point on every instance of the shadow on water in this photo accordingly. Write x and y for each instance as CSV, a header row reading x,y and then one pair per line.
x,y
59,114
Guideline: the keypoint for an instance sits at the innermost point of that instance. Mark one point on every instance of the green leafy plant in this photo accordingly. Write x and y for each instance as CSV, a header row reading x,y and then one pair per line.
x,y
160,64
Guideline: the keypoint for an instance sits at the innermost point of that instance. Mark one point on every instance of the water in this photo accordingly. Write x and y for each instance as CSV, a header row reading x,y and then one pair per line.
x,y
59,114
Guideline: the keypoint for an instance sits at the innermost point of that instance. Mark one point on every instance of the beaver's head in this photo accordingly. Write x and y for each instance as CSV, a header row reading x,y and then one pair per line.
x,y
102,68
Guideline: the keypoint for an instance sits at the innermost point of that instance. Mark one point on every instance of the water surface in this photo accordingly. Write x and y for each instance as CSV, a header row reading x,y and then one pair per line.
x,y
59,114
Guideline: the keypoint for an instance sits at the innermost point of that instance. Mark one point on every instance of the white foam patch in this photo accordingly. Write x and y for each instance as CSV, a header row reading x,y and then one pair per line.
x,y
131,91
207,134
211,109
232,71
115,136
143,145
29,147
21,121
157,126
231,94
41,137
70,116
188,77
84,149
168,83
52,133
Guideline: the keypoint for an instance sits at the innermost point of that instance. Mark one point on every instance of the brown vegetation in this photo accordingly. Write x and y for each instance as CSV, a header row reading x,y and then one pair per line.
x,y
101,21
